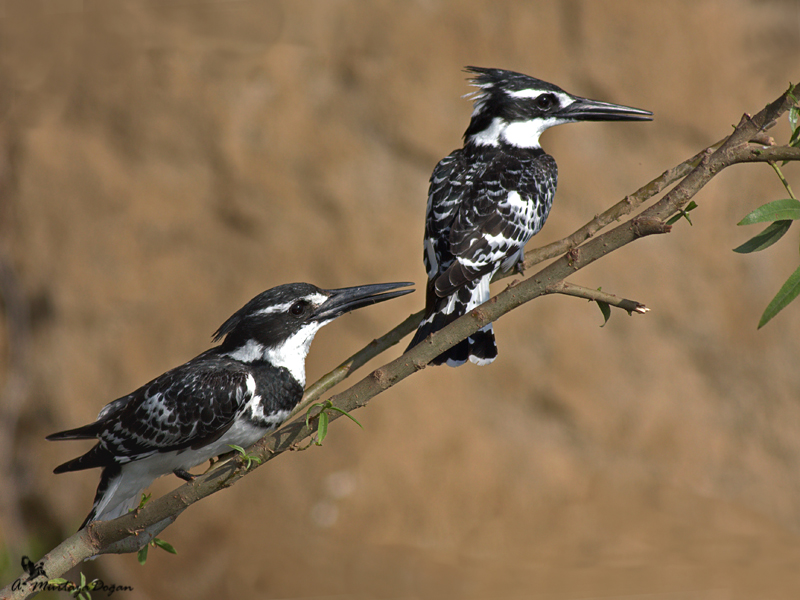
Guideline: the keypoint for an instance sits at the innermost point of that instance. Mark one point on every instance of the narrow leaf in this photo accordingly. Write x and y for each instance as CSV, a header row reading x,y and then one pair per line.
x,y
322,427
165,545
766,238
674,219
779,210
785,295
683,214
347,414
144,500
606,310
141,556
794,141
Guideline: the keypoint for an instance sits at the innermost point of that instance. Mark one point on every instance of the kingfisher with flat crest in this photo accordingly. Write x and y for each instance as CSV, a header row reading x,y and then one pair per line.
x,y
233,394
488,198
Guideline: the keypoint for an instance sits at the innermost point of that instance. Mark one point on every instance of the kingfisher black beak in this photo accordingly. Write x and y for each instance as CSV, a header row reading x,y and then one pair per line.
x,y
584,109
345,300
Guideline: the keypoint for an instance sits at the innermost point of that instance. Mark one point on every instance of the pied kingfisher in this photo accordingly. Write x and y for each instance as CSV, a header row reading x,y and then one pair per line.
x,y
487,199
234,393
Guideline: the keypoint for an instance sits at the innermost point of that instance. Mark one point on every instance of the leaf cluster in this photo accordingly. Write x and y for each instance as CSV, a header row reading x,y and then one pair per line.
x,y
780,214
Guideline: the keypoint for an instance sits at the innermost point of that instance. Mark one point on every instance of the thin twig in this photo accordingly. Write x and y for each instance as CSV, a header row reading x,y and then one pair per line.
x,y
785,183
578,291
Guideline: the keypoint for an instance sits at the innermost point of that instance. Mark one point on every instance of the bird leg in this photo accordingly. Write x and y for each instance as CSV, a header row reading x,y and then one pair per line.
x,y
183,474
520,266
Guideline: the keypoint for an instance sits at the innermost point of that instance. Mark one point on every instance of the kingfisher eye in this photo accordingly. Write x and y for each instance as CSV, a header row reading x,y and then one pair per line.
x,y
546,101
298,308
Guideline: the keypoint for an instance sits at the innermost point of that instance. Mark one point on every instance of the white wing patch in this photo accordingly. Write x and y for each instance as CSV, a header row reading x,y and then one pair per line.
x,y
514,200
480,294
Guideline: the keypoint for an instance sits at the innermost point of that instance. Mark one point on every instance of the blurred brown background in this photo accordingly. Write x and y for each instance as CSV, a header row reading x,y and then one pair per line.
x,y
163,162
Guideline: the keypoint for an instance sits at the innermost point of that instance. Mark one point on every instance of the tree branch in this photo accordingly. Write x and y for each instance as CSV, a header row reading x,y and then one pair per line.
x,y
131,531
570,289
622,208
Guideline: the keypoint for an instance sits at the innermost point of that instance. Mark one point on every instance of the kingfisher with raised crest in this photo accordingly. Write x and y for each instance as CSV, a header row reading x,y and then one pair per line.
x,y
488,198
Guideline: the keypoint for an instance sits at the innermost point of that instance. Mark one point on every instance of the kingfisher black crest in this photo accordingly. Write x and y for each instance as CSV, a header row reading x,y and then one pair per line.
x,y
487,199
232,394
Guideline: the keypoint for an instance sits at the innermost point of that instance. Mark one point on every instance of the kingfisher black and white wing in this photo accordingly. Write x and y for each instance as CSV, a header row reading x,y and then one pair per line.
x,y
481,213
499,213
178,421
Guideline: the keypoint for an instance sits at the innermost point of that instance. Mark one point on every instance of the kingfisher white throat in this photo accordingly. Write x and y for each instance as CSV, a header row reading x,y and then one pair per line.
x,y
234,393
487,199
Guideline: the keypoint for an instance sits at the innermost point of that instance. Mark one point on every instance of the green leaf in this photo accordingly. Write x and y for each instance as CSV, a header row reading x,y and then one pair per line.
x,y
142,501
57,581
248,459
785,295
778,210
682,214
322,427
605,308
346,414
794,141
165,545
142,554
323,419
766,238
80,591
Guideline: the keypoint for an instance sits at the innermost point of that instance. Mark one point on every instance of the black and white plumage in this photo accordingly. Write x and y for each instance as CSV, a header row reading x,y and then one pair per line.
x,y
487,199
234,393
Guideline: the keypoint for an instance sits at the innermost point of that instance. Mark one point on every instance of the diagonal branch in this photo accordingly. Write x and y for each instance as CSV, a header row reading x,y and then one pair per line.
x,y
532,258
622,208
130,531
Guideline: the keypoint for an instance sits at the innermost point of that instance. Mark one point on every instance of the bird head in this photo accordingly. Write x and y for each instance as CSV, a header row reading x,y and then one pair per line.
x,y
515,109
279,325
